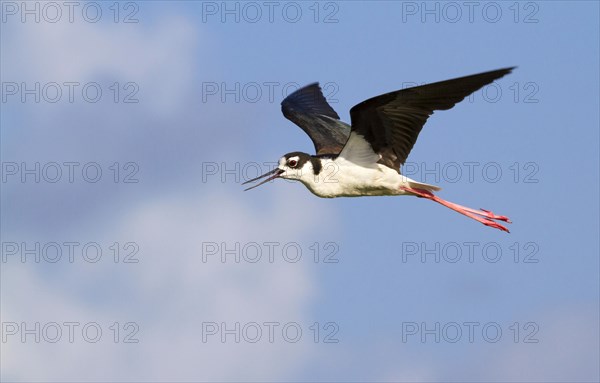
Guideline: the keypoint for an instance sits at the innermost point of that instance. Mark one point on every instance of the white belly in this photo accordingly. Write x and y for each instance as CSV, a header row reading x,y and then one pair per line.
x,y
340,178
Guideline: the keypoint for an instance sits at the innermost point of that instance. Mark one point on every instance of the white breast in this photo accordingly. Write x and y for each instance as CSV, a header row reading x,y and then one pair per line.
x,y
355,172
342,178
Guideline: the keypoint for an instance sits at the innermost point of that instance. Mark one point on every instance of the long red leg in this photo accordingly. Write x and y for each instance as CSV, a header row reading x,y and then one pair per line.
x,y
484,216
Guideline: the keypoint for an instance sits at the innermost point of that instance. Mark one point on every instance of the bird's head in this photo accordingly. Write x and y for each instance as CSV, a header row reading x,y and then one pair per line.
x,y
292,166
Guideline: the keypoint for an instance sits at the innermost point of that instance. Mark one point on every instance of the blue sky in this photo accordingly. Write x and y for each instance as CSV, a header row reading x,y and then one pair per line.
x,y
189,109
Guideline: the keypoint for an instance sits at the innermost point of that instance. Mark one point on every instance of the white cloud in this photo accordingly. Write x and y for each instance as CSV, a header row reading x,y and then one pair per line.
x,y
170,293
160,58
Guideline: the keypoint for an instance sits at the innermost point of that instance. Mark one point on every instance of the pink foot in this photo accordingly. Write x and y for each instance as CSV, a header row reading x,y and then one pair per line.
x,y
486,217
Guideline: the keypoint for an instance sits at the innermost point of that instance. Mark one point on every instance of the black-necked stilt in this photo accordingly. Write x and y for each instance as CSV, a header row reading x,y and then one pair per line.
x,y
364,159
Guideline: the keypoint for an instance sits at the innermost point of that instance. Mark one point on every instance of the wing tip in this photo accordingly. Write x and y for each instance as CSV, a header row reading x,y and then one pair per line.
x,y
308,99
503,71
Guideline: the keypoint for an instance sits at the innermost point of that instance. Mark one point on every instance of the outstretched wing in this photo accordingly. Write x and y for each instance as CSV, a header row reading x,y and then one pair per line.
x,y
308,108
392,122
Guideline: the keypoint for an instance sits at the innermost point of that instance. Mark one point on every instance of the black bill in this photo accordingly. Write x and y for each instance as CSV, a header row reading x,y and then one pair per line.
x,y
275,173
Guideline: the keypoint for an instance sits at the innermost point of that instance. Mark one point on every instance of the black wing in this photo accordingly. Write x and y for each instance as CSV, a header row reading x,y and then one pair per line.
x,y
391,122
308,108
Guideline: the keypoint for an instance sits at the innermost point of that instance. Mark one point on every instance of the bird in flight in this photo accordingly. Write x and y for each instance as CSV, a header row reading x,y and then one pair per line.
x,y
364,158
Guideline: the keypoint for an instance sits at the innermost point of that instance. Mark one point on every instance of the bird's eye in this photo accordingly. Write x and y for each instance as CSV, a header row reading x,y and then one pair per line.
x,y
292,163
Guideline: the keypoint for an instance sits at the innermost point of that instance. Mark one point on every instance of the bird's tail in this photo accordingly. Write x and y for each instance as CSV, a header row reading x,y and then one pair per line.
x,y
421,185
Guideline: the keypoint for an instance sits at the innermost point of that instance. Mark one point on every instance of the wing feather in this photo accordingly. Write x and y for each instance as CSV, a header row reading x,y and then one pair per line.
x,y
308,108
391,123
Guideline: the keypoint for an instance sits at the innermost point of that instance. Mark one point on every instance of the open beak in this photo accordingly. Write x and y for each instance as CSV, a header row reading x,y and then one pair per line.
x,y
275,173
